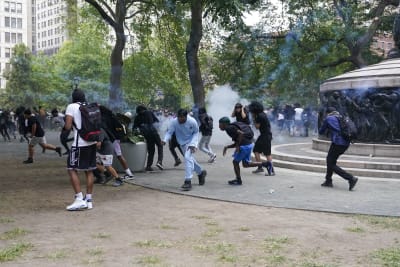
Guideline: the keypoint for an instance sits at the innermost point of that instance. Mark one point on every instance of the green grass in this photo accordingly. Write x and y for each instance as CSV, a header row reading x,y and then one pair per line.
x,y
13,252
95,252
150,260
13,234
168,227
355,230
102,236
153,244
273,244
389,257
6,220
244,229
382,222
57,255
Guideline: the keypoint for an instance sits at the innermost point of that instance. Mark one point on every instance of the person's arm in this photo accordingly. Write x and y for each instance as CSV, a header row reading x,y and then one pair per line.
x,y
33,130
68,122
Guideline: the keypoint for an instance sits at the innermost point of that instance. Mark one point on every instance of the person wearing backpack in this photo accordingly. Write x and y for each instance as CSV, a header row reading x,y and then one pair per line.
x,y
338,146
242,136
116,132
82,155
206,128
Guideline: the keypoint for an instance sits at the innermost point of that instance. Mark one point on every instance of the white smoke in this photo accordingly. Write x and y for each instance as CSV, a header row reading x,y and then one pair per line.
x,y
221,101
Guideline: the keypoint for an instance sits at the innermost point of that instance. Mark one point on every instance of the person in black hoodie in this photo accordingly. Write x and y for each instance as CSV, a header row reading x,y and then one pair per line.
x,y
206,128
144,121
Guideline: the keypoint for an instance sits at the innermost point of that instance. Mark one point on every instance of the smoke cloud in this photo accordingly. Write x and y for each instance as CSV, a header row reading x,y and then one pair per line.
x,y
221,101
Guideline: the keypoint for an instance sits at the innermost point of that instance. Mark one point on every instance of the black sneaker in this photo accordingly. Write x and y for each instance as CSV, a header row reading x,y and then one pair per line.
x,y
99,178
149,169
29,160
258,170
235,182
159,165
202,177
327,184
352,183
58,150
177,162
187,185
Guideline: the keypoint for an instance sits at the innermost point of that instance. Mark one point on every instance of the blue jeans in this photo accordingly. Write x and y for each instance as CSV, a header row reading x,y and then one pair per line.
x,y
190,163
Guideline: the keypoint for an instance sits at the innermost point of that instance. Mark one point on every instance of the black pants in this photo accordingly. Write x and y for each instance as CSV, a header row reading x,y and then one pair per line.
x,y
173,143
153,139
331,159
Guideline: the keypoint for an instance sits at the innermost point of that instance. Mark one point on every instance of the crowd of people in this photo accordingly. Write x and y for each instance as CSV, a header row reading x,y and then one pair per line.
x,y
186,131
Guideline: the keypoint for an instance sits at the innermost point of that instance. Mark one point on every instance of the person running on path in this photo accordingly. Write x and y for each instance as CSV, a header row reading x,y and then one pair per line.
x,y
206,129
242,136
187,134
37,136
338,146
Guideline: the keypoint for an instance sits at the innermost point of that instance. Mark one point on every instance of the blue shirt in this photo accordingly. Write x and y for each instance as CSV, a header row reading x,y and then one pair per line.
x,y
186,133
331,123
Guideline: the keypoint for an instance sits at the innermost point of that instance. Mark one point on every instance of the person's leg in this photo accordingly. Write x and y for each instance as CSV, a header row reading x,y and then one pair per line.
x,y
160,151
121,158
150,152
331,159
189,167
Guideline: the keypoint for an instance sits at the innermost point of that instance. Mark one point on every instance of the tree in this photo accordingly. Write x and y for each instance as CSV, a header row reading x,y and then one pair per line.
x,y
116,13
19,78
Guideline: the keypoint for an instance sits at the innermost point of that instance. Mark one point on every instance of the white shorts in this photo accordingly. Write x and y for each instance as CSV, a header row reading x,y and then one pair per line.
x,y
117,147
37,140
106,160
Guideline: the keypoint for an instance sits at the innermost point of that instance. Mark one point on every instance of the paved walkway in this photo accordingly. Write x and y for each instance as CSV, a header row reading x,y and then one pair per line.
x,y
288,189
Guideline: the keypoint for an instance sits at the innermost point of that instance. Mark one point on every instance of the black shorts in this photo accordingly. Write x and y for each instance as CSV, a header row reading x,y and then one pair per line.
x,y
82,158
263,146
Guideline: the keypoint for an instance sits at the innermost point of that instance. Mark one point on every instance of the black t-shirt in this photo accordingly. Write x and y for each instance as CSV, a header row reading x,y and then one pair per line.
x,y
265,126
232,131
39,130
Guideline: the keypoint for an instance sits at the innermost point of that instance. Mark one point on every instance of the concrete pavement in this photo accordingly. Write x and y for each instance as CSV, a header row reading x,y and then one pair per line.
x,y
287,189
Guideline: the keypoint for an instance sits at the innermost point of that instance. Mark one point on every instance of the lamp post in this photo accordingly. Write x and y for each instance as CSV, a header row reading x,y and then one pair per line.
x,y
76,82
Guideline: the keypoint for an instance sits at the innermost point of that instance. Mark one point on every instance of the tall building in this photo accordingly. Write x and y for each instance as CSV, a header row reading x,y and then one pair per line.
x,y
15,28
51,26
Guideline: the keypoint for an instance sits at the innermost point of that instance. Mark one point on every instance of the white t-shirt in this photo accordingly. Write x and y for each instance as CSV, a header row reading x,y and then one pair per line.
x,y
73,111
297,116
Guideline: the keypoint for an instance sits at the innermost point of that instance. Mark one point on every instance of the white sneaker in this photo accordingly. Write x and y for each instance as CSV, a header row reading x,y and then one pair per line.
x,y
89,203
78,204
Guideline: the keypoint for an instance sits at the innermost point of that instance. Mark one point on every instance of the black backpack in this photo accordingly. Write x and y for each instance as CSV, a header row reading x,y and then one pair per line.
x,y
348,129
245,128
91,122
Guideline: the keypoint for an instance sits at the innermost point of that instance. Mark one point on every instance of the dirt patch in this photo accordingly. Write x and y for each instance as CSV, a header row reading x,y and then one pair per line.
x,y
134,226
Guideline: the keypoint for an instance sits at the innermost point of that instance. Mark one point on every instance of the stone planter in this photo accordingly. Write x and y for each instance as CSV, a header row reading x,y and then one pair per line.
x,y
135,155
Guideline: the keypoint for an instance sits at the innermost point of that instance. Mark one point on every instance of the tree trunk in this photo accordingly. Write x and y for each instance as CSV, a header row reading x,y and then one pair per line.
x,y
192,49
116,100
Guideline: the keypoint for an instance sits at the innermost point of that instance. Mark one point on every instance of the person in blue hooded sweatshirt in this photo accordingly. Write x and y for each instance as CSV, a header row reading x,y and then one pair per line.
x,y
338,146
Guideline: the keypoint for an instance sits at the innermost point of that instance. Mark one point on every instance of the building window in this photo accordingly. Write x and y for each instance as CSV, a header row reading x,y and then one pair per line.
x,y
7,52
13,23
19,23
19,8
389,46
7,6
7,37
7,22
19,38
13,38
12,7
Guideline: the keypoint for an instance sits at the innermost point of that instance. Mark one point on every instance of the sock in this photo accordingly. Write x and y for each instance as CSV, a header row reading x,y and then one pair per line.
x,y
79,195
128,171
88,196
